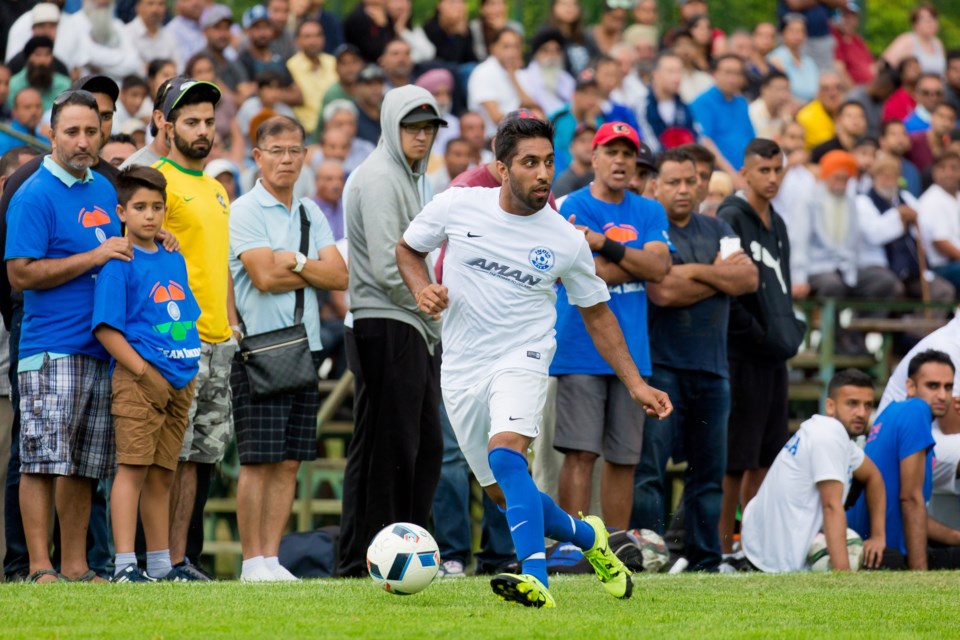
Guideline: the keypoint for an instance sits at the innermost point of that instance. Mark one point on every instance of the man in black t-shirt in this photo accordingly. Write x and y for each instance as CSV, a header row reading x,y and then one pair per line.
x,y
688,348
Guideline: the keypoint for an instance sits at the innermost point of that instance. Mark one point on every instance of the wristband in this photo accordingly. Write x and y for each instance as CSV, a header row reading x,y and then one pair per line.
x,y
612,251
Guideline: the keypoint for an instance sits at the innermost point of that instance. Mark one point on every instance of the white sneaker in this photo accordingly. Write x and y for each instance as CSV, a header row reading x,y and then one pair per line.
x,y
258,574
280,574
451,569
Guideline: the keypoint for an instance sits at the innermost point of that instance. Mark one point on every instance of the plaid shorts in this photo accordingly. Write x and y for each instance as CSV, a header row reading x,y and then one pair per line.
x,y
277,428
65,424
211,414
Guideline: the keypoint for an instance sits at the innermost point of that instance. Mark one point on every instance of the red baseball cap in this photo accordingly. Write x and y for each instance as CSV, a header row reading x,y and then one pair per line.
x,y
614,131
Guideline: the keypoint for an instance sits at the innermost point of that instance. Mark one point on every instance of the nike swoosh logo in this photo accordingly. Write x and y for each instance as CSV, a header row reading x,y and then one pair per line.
x,y
473,235
517,526
511,418
189,199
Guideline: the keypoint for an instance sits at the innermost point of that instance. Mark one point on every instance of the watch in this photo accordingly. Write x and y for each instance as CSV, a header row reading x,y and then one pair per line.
x,y
301,263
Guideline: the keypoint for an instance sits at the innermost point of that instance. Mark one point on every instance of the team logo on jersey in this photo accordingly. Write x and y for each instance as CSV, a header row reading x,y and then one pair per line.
x,y
223,203
541,258
622,233
93,218
170,294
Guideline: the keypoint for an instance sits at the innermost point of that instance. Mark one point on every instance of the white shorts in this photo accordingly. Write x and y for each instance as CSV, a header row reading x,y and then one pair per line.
x,y
509,401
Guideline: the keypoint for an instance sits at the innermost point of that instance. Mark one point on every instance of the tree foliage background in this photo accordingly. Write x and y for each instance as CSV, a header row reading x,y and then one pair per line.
x,y
883,20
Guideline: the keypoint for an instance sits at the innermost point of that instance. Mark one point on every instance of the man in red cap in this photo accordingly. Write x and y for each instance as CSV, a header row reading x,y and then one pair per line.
x,y
595,415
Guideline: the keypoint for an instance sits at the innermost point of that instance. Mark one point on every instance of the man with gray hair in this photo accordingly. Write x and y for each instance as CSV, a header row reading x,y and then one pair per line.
x,y
339,139
105,47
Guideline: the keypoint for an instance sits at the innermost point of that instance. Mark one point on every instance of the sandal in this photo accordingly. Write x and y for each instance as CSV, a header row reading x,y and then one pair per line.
x,y
37,575
89,576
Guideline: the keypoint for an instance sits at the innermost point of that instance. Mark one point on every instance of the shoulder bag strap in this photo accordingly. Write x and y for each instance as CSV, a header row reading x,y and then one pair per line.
x,y
304,249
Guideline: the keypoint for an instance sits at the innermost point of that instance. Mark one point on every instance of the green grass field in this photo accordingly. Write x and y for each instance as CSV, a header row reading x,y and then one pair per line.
x,y
688,606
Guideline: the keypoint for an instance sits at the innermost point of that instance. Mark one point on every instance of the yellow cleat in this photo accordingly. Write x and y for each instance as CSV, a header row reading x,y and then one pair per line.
x,y
611,572
522,589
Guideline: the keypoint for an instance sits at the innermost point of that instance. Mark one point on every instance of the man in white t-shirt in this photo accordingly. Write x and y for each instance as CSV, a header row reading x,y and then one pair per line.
x,y
506,249
807,486
940,218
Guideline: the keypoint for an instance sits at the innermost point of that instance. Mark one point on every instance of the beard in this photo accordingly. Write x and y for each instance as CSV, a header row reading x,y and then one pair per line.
x,y
102,29
530,201
193,150
40,76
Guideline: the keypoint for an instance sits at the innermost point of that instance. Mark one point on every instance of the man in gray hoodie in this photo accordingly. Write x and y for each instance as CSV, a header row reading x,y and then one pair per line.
x,y
393,464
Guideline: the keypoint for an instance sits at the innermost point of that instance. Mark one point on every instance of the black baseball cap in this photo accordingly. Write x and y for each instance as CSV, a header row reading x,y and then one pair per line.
x,y
423,113
177,92
346,48
371,73
645,157
98,84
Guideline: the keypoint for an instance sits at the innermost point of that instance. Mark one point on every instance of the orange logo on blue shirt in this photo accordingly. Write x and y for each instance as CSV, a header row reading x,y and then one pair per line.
x,y
623,233
95,217
170,294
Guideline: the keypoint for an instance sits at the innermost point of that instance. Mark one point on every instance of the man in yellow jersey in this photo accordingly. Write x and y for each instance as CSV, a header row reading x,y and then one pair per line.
x,y
198,214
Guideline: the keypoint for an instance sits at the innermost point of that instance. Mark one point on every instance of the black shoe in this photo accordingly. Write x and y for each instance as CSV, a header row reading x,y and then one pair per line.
x,y
132,573
187,572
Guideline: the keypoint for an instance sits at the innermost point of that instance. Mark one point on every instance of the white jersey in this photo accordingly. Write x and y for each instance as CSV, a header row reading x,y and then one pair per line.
x,y
500,270
946,339
780,523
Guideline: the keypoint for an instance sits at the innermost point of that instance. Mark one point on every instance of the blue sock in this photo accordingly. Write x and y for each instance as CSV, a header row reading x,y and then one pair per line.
x,y
158,563
563,527
122,561
524,510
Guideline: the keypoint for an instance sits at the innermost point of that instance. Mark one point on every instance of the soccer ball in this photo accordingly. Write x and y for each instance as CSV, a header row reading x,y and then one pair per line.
x,y
653,549
818,559
403,559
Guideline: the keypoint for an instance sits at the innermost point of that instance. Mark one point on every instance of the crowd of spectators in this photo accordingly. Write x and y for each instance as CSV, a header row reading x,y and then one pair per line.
x,y
838,169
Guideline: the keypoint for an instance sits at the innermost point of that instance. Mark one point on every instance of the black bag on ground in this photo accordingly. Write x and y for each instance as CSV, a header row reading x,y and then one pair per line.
x,y
279,362
311,554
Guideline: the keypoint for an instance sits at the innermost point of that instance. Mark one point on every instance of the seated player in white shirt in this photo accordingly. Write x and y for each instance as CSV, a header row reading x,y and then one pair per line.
x,y
806,487
506,248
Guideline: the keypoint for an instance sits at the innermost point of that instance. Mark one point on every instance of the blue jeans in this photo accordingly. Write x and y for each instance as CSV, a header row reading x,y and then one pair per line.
x,y
701,406
451,511
951,272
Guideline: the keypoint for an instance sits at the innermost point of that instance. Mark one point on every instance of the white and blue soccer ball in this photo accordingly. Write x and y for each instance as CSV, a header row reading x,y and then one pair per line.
x,y
403,559
818,558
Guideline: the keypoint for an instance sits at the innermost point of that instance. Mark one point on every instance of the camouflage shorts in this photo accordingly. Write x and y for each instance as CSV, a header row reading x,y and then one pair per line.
x,y
211,414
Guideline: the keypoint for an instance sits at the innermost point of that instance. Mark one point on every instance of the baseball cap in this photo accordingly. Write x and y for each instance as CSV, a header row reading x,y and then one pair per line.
x,y
45,12
346,47
98,84
584,126
614,131
371,73
645,157
520,114
423,113
218,166
178,91
214,14
255,14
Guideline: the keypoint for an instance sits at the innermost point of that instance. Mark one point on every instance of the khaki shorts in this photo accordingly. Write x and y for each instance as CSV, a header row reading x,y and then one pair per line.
x,y
150,417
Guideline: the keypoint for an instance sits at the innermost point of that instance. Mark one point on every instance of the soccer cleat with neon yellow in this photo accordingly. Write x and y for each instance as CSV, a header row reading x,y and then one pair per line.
x,y
522,589
611,572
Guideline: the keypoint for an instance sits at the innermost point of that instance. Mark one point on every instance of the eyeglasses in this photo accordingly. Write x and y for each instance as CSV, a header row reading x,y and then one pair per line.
x,y
294,152
416,129
926,93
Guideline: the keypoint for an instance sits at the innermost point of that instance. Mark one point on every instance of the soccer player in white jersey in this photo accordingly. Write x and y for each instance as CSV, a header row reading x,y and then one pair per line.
x,y
505,251
808,483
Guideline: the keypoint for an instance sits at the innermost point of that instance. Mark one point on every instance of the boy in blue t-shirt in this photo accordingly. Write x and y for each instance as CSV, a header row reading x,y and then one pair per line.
x,y
146,317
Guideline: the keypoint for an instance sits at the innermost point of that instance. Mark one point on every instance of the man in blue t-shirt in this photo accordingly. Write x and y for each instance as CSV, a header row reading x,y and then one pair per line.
x,y
688,341
724,114
595,414
62,229
901,445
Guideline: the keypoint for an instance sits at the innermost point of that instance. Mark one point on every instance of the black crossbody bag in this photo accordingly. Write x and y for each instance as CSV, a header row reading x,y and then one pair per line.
x,y
279,362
